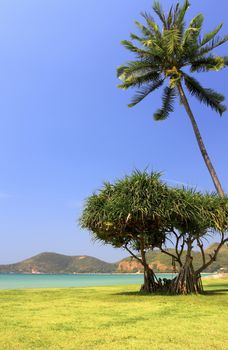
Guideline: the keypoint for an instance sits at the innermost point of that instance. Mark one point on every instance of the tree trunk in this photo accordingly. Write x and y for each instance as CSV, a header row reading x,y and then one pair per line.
x,y
187,281
200,142
150,285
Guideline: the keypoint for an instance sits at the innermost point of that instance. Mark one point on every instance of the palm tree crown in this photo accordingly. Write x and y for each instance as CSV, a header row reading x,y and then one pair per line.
x,y
163,53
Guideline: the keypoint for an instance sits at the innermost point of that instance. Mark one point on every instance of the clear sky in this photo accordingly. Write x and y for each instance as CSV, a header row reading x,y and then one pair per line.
x,y
65,127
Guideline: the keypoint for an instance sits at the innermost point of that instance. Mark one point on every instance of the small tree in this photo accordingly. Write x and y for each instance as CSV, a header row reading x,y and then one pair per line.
x,y
140,212
207,214
128,215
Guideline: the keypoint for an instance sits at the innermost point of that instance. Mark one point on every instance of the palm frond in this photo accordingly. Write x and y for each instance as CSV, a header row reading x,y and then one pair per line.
x,y
217,41
145,91
138,80
143,29
154,28
209,36
163,50
120,72
136,37
168,97
159,12
207,96
196,23
182,11
191,35
129,46
206,64
172,39
136,68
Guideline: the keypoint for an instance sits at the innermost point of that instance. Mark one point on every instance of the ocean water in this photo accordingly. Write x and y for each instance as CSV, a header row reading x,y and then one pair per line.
x,y
15,281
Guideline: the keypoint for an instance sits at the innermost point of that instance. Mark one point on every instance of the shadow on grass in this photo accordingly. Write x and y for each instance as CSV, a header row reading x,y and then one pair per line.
x,y
143,294
217,286
216,292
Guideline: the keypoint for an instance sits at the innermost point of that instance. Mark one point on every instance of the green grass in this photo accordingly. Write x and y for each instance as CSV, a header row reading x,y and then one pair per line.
x,y
113,318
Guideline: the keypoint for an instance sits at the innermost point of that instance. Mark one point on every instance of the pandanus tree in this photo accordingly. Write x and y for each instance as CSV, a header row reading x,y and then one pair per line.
x,y
126,214
140,213
193,218
170,53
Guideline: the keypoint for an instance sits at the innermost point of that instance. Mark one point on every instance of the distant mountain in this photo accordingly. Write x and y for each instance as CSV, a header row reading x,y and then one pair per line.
x,y
58,263
163,263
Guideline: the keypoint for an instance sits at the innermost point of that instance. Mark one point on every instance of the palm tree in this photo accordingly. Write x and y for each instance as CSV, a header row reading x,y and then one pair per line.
x,y
171,53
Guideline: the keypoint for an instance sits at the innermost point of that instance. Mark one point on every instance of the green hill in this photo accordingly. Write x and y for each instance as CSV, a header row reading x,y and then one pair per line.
x,y
58,263
163,263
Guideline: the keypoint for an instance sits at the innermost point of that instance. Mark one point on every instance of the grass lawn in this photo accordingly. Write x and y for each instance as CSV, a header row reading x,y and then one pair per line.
x,y
113,318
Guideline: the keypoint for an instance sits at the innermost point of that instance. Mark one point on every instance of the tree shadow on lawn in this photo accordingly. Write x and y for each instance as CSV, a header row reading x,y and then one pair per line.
x,y
216,289
143,294
216,292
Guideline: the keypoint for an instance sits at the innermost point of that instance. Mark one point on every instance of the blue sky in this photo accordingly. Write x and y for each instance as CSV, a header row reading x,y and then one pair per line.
x,y
65,127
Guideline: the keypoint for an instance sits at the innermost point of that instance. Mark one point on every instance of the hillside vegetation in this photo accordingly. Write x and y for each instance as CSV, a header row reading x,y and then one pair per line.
x,y
163,263
58,263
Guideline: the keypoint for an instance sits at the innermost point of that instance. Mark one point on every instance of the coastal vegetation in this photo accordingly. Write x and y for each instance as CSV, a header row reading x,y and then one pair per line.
x,y
113,318
170,53
141,213
59,263
52,263
164,263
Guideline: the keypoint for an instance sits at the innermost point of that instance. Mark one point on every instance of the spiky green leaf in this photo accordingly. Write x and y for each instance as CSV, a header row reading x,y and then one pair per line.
x,y
206,64
182,11
207,96
172,39
136,69
209,36
211,46
168,97
158,10
138,80
145,91
143,29
129,46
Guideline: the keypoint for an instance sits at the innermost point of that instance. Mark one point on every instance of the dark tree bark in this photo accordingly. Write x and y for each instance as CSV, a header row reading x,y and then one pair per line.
x,y
200,142
150,285
187,281
212,256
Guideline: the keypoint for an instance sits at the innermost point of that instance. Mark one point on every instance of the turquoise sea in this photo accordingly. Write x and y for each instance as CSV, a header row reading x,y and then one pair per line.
x,y
15,281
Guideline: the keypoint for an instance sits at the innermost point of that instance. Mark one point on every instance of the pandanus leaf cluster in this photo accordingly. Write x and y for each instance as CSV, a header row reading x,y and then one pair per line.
x,y
140,212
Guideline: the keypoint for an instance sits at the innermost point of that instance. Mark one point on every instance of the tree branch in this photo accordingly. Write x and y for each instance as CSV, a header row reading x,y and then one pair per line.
x,y
171,255
134,256
179,253
182,248
213,256
200,245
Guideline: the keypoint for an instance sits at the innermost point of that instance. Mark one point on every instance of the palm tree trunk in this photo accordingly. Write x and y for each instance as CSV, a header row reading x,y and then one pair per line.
x,y
200,142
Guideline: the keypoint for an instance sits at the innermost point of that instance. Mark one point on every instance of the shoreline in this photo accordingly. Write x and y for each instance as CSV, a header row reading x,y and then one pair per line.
x,y
215,274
